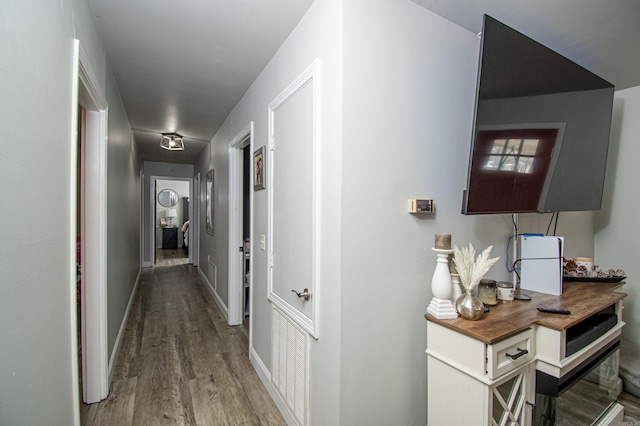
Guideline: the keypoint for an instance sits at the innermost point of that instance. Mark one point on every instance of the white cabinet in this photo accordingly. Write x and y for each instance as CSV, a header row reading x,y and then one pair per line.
x,y
484,372
512,397
474,383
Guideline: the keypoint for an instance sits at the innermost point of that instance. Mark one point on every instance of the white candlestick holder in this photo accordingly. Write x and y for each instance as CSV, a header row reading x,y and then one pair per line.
x,y
441,306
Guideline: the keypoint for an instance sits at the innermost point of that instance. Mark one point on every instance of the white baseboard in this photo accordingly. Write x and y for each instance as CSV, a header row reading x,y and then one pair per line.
x,y
265,377
147,264
123,326
217,299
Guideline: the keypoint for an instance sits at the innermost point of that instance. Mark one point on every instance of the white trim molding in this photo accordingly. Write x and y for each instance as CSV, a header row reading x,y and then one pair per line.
x,y
73,184
309,77
265,378
151,240
89,94
123,326
216,298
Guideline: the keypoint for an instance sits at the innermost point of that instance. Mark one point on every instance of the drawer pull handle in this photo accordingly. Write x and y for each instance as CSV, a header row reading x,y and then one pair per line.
x,y
521,352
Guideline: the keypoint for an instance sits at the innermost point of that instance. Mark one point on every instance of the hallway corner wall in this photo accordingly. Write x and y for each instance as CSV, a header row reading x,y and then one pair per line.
x,y
617,226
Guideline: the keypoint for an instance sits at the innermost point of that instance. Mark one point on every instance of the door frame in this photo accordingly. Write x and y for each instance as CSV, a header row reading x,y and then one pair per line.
x,y
309,78
194,222
236,276
152,213
93,210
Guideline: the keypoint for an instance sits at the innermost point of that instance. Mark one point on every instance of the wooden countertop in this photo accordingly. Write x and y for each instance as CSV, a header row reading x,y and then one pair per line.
x,y
583,299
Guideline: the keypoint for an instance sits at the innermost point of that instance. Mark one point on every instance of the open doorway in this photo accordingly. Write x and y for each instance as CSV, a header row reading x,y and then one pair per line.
x,y
88,233
246,233
171,219
241,245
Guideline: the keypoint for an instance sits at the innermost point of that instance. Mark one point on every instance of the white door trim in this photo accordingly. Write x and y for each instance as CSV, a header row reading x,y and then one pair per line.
x,y
194,222
310,76
73,182
152,211
236,278
94,232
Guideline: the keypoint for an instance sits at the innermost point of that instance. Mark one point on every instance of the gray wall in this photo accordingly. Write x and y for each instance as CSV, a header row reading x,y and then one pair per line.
x,y
38,257
215,248
617,242
123,214
310,40
397,104
409,89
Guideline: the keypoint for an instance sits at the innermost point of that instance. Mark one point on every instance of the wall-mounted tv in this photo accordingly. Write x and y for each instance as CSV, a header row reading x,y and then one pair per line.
x,y
541,129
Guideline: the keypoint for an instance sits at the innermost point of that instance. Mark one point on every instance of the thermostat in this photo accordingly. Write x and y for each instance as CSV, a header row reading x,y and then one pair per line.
x,y
420,206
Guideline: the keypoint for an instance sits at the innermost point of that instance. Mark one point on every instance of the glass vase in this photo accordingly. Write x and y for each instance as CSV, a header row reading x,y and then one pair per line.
x,y
469,307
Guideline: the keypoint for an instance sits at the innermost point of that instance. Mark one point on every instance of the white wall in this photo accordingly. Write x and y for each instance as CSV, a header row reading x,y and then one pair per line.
x,y
182,189
617,231
38,259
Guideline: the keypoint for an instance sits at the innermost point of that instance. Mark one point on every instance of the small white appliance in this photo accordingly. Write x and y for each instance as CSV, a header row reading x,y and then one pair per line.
x,y
541,263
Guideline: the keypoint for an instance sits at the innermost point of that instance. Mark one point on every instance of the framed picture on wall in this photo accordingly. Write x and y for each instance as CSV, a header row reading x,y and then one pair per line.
x,y
258,168
209,201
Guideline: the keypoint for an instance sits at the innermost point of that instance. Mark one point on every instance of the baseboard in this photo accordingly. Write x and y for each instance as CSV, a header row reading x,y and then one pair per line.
x,y
216,298
265,377
123,326
147,264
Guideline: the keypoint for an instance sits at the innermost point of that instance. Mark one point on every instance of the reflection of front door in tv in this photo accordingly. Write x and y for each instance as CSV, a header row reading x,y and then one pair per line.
x,y
541,264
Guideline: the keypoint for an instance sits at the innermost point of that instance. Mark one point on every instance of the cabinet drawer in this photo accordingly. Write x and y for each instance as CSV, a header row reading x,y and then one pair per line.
x,y
510,353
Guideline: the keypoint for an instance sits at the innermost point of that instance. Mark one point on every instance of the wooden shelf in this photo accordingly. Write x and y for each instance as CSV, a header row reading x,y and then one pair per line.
x,y
583,299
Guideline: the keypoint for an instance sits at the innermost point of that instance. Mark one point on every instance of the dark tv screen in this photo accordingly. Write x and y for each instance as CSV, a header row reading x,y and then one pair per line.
x,y
541,129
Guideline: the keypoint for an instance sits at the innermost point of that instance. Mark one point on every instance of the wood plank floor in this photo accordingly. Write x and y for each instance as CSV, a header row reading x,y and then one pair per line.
x,y
181,364
585,400
631,406
179,361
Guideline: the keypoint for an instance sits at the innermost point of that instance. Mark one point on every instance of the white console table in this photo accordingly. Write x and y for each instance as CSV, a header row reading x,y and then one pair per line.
x,y
483,372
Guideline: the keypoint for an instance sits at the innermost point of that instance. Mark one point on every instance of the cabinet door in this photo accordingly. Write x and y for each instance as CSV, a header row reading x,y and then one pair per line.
x,y
509,398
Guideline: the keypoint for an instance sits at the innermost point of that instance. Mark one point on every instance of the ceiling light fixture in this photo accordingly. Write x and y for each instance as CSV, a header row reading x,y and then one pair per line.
x,y
172,142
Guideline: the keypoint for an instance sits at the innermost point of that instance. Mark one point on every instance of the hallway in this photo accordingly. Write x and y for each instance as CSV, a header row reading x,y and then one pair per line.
x,y
180,363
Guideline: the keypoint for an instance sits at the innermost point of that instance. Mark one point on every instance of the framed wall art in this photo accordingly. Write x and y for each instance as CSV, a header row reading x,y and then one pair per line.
x,y
258,168
209,201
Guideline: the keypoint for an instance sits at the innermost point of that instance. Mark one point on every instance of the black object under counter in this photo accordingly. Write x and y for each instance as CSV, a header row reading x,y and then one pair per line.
x,y
588,331
169,238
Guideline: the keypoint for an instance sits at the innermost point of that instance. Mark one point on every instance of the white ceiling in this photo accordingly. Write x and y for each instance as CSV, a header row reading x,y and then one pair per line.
x,y
183,65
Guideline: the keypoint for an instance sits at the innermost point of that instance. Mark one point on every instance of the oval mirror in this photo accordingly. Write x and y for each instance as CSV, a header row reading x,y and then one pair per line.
x,y
168,198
